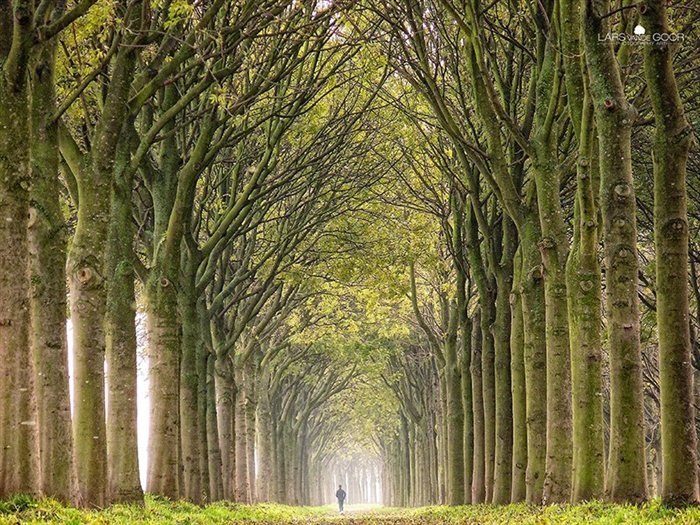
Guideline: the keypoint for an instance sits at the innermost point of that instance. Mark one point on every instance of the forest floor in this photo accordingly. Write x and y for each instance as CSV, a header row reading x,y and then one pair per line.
x,y
24,510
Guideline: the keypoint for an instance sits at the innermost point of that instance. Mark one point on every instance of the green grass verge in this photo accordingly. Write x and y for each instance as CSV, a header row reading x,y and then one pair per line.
x,y
25,510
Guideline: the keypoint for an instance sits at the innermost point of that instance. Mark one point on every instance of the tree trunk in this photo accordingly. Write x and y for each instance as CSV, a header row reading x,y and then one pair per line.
x,y
264,437
224,412
88,297
241,494
203,381
584,292
504,400
553,247
47,242
583,279
87,283
533,308
672,141
467,414
217,474
455,417
163,373
251,408
517,374
189,391
20,461
123,484
614,115
478,482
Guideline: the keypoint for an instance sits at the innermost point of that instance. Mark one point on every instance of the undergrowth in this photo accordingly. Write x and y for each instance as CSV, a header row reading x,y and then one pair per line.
x,y
159,511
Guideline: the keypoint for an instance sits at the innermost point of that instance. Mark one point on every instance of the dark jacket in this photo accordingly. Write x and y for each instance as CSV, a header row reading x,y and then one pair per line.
x,y
340,494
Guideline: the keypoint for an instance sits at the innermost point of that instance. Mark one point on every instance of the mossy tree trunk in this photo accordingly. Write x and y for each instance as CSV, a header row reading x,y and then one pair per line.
x,y
672,141
87,274
47,241
265,481
214,456
477,489
250,410
554,246
225,398
584,278
533,308
241,489
190,422
517,374
468,416
455,422
626,474
123,484
487,294
503,453
19,450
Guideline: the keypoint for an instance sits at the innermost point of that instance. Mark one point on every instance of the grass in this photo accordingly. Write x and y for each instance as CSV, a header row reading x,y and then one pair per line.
x,y
157,511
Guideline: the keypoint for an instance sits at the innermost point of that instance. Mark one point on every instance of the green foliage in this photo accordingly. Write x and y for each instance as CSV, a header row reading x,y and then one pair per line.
x,y
23,509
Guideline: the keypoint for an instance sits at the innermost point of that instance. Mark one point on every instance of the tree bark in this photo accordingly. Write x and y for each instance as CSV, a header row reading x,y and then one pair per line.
x,y
163,373
264,437
626,476
478,482
20,462
584,292
224,412
504,400
584,279
468,416
189,390
88,287
455,421
47,241
241,451
217,474
251,409
533,308
123,484
672,141
517,374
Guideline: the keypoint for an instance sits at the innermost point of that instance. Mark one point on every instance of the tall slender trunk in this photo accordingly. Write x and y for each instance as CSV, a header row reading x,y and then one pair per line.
x,y
88,302
224,412
455,420
468,416
504,400
47,241
123,484
240,435
583,279
214,458
20,465
614,115
487,314
672,141
584,292
87,283
533,308
250,410
203,381
478,482
264,438
189,390
517,374
553,247
163,373
554,250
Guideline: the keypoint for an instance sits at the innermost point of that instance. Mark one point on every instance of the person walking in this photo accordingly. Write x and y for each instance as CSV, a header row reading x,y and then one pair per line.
x,y
340,494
